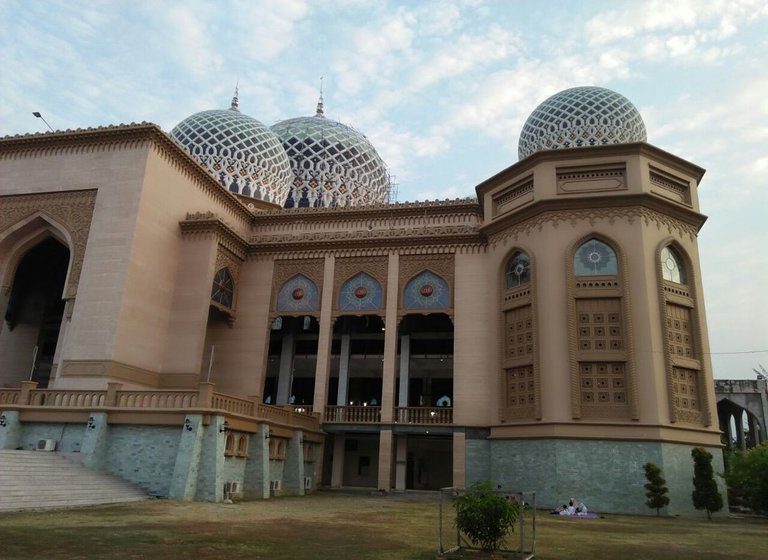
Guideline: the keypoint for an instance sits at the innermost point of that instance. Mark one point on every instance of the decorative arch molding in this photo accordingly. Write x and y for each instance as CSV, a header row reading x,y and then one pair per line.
x,y
345,269
520,378
441,266
573,217
64,215
361,293
285,270
685,372
299,295
600,338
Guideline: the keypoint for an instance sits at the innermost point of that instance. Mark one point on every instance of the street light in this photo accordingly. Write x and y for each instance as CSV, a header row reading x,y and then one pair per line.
x,y
39,116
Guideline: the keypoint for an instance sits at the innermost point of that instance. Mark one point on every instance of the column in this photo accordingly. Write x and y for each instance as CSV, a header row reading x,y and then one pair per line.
x,y
184,480
341,393
337,464
10,434
401,461
285,376
210,472
256,477
459,460
293,468
385,460
324,340
390,340
405,359
95,441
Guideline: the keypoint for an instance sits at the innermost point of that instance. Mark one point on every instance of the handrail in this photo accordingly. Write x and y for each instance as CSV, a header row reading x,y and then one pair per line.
x,y
353,414
164,399
424,415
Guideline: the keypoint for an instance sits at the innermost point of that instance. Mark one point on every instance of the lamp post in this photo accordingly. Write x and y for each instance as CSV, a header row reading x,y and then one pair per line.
x,y
40,116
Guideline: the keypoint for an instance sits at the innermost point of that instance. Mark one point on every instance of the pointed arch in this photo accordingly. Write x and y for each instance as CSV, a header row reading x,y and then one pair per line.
x,y
298,294
603,377
426,290
17,240
361,292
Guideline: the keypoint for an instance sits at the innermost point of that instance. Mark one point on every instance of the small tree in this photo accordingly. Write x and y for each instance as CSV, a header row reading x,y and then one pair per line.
x,y
655,490
747,477
485,515
705,493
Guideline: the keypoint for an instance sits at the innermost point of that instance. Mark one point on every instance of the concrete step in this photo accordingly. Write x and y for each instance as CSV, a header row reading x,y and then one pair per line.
x,y
34,480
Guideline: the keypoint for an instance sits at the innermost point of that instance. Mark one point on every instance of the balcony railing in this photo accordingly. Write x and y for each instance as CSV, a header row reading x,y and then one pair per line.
x,y
424,415
353,414
204,398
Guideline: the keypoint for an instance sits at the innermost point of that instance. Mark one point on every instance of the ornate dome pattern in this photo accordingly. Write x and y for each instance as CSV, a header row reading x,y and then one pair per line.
x,y
581,116
332,164
240,152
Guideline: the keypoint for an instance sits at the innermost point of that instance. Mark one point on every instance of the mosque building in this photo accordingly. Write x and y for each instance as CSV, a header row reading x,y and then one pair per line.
x,y
239,309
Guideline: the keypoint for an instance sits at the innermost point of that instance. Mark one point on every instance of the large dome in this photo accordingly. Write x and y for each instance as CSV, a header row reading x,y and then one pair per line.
x,y
241,153
332,164
581,116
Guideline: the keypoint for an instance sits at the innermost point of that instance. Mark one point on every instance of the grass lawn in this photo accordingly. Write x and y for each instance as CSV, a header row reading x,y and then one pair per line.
x,y
340,526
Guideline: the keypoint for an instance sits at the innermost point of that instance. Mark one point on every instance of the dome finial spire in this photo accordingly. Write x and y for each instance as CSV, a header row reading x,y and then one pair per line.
x,y
235,101
320,105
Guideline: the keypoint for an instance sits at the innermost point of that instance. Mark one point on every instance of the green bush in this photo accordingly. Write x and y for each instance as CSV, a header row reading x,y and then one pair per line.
x,y
705,493
655,489
747,477
484,515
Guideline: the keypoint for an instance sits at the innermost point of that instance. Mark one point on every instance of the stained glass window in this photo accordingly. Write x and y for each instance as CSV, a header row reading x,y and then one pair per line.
x,y
595,258
223,289
672,266
518,270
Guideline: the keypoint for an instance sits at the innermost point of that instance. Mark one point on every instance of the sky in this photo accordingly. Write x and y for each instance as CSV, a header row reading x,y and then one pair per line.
x,y
440,88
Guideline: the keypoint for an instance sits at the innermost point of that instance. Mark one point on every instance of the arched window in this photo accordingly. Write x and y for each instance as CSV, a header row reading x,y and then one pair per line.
x,y
360,293
425,291
672,268
595,258
518,271
223,289
298,294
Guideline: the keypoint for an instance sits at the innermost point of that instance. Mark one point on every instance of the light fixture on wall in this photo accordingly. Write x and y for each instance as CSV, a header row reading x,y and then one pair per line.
x,y
224,427
91,423
3,421
188,424
267,434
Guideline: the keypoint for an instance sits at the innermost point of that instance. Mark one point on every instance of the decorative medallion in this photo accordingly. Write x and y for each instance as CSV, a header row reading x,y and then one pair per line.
x,y
298,294
426,291
360,293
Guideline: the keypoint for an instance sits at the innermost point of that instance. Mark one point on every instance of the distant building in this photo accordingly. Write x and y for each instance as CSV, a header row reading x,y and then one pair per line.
x,y
547,335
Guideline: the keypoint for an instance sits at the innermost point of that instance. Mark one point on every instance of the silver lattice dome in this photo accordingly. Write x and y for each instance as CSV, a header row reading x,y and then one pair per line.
x,y
332,164
241,153
581,116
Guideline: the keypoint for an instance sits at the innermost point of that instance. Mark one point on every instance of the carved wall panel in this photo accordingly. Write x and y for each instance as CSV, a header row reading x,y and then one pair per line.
x,y
346,268
312,269
73,210
442,265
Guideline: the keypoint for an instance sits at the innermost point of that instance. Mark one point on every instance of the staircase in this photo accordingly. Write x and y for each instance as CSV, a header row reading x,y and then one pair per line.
x,y
33,480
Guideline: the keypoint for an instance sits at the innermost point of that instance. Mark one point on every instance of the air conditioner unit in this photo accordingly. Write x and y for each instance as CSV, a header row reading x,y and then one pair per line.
x,y
46,445
232,487
307,483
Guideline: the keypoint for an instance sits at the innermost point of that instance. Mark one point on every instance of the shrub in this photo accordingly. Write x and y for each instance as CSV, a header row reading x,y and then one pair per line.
x,y
705,493
747,477
655,489
484,515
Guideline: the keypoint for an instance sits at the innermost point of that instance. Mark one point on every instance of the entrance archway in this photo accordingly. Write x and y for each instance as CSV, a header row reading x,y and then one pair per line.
x,y
33,314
